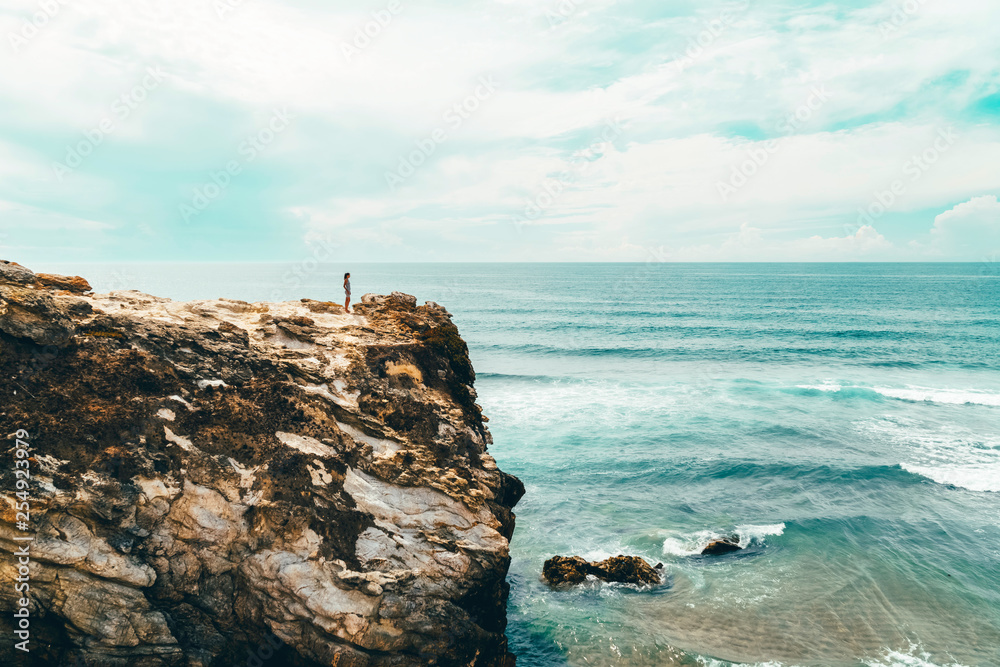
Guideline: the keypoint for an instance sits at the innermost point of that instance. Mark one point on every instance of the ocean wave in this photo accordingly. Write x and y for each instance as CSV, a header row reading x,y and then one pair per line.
x,y
974,477
945,396
519,401
692,470
905,364
839,392
578,347
693,544
826,386
912,658
953,456
712,662
706,344
911,393
514,376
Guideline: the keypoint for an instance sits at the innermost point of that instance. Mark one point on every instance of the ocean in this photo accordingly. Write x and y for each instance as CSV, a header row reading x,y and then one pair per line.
x,y
842,419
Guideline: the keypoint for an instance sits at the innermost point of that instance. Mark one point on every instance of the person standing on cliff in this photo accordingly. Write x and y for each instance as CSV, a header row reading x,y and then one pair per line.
x,y
347,292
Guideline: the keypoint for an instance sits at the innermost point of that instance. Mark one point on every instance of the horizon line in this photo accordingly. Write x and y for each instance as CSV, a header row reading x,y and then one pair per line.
x,y
647,262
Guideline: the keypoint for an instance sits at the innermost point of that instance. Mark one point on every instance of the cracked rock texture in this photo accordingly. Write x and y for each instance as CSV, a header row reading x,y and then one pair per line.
x,y
229,483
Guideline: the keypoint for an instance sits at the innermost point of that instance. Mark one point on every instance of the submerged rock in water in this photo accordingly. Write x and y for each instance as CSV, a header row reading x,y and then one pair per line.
x,y
724,546
216,478
618,569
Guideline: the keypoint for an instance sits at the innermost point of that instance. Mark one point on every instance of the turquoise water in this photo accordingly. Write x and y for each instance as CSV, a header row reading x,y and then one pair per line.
x,y
842,419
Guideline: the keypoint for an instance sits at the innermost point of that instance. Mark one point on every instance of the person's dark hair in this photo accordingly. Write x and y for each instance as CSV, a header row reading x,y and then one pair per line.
x,y
347,274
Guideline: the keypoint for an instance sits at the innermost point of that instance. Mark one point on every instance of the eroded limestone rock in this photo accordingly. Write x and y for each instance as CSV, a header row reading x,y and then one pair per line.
x,y
213,477
74,284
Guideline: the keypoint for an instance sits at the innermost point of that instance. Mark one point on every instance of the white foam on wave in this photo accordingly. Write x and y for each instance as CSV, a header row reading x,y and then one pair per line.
x,y
826,386
974,477
602,404
691,545
913,658
944,396
712,662
750,533
916,394
948,455
694,543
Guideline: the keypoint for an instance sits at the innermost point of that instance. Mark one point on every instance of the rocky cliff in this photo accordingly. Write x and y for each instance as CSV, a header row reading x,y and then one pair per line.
x,y
231,483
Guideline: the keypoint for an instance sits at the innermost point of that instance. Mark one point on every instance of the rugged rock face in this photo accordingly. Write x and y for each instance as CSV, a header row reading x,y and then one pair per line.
x,y
14,273
227,483
74,284
618,569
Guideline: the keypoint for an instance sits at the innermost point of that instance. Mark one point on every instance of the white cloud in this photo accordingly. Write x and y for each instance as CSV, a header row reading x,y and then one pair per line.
x,y
865,243
971,229
656,184
750,244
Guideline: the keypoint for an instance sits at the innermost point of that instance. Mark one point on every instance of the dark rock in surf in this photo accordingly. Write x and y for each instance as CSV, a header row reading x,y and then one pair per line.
x,y
619,569
724,546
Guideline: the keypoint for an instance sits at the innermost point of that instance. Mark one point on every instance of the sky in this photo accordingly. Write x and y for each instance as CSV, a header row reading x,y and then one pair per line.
x,y
499,130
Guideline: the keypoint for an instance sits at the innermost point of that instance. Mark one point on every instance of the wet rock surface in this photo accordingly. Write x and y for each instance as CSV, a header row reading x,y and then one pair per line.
x,y
214,478
724,546
618,569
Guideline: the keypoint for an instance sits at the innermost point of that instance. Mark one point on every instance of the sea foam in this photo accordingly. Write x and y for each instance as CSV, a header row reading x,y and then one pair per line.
x,y
694,543
974,477
953,456
944,396
916,394
912,658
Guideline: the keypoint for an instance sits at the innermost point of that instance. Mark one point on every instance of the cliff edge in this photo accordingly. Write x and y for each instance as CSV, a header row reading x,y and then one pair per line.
x,y
231,483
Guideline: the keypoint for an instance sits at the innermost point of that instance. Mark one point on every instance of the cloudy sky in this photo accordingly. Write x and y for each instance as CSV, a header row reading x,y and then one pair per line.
x,y
504,130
